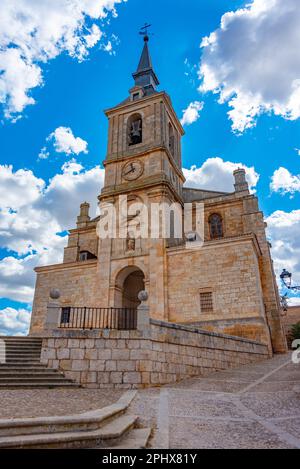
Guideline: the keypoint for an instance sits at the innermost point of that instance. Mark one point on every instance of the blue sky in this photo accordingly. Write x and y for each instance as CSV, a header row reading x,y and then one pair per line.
x,y
73,94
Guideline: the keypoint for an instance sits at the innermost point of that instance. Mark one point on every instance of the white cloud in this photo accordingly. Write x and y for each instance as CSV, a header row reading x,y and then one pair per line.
x,y
217,174
32,217
19,188
74,184
284,233
284,182
64,141
14,322
32,32
294,301
44,153
17,276
252,61
192,113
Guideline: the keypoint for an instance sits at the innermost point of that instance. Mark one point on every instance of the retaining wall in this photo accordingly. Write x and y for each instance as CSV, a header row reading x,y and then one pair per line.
x,y
165,353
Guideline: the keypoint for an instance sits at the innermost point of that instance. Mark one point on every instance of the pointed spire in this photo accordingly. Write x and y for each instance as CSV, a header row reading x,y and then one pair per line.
x,y
145,60
145,76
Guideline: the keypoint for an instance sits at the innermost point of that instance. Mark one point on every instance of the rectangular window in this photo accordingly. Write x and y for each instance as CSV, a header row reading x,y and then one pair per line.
x,y
83,256
135,96
206,302
65,315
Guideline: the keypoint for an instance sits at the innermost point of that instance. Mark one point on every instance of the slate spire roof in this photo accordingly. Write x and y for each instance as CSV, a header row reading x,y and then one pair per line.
x,y
145,75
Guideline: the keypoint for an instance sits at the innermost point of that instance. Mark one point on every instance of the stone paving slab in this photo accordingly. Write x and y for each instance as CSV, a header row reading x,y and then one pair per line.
x,y
195,407
290,425
236,375
214,385
253,406
275,386
272,404
203,434
286,375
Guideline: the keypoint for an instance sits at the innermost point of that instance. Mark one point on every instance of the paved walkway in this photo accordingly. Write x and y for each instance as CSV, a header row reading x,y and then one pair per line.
x,y
255,406
27,403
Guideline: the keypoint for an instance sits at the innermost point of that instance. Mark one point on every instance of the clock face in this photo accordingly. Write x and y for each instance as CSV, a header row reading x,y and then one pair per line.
x,y
132,170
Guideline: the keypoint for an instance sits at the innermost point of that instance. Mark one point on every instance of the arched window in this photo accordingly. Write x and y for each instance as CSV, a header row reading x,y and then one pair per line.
x,y
216,226
135,129
171,139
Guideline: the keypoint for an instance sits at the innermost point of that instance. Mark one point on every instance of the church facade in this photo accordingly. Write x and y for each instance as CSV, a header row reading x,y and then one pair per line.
x,y
224,284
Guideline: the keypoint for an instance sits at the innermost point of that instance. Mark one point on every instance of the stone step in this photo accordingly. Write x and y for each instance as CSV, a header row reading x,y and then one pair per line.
x,y
91,420
136,439
34,379
101,437
22,338
33,374
29,385
19,362
22,353
19,343
22,360
18,355
29,372
20,365
23,346
26,358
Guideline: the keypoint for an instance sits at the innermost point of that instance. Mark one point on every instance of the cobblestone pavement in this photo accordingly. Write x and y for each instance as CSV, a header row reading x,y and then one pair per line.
x,y
255,406
53,402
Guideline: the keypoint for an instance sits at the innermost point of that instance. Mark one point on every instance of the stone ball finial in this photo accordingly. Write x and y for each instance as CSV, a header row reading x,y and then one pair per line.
x,y
143,295
54,294
191,236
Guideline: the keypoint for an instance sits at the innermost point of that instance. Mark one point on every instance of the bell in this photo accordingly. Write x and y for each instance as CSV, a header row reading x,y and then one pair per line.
x,y
136,129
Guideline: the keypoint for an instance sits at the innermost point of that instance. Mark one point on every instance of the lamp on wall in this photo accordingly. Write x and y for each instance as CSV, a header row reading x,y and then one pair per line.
x,y
286,278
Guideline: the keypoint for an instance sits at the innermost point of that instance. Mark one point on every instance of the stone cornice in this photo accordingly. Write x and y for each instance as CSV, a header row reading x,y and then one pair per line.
x,y
145,151
220,243
146,184
91,226
128,105
226,198
67,266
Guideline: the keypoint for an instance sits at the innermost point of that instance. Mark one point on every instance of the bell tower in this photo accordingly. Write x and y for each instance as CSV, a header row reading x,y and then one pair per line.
x,y
144,139
143,162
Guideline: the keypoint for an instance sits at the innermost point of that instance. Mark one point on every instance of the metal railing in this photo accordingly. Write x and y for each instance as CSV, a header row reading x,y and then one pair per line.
x,y
98,318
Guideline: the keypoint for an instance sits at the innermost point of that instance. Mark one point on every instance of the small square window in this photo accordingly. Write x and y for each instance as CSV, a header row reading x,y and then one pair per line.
x,y
83,256
206,302
135,96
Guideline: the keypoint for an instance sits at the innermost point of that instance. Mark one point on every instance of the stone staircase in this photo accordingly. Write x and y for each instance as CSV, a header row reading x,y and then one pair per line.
x,y
22,367
109,427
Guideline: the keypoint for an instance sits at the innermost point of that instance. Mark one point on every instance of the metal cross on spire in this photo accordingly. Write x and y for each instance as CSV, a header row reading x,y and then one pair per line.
x,y
144,31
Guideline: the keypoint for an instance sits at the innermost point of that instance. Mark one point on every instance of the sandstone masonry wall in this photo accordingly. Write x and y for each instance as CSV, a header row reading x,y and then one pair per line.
x,y
166,353
77,283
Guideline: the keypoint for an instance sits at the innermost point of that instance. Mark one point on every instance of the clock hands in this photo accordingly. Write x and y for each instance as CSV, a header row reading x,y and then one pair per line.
x,y
132,170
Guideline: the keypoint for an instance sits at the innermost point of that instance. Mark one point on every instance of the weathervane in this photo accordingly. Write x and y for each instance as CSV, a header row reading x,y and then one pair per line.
x,y
144,31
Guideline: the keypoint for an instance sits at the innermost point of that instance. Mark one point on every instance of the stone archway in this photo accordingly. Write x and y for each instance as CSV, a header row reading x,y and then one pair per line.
x,y
129,282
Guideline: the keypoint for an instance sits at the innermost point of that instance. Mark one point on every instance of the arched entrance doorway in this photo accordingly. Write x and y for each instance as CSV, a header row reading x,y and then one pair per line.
x,y
133,284
129,282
